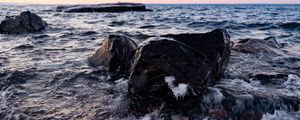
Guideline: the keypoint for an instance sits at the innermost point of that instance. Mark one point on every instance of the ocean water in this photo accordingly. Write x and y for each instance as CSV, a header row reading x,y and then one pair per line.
x,y
58,83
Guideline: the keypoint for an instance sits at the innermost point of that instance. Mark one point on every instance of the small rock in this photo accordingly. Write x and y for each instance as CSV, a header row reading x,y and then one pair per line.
x,y
116,53
24,23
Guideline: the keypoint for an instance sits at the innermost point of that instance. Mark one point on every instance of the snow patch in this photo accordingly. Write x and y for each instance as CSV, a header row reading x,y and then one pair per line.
x,y
178,91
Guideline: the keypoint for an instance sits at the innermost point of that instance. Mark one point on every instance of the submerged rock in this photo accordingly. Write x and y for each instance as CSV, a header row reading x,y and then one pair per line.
x,y
24,23
272,75
8,78
113,7
194,61
116,53
252,45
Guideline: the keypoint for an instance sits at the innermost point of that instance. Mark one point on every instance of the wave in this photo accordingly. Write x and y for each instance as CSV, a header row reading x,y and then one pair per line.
x,y
255,25
232,25
290,25
208,23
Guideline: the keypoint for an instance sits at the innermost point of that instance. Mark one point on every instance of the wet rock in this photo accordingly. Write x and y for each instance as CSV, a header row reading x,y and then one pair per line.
x,y
272,75
158,59
113,7
189,61
254,46
270,78
215,45
116,53
24,23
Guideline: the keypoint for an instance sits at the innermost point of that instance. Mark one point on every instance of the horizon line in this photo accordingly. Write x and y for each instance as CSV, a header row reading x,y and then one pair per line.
x,y
12,3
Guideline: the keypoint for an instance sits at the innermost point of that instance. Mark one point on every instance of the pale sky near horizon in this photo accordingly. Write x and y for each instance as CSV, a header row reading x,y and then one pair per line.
x,y
148,1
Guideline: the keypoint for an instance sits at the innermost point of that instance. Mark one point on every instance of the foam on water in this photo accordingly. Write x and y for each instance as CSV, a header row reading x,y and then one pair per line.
x,y
292,82
282,115
2,18
121,85
214,96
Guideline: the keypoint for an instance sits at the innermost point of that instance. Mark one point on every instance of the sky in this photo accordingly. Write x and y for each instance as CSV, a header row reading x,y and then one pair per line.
x,y
150,1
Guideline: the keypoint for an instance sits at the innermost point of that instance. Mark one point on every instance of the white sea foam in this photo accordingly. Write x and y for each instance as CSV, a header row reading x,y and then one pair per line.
x,y
152,116
214,96
282,115
2,18
293,80
178,91
121,85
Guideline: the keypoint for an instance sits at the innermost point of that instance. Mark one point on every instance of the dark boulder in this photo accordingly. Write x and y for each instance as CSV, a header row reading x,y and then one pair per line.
x,y
24,23
168,60
190,61
113,7
254,46
116,53
215,45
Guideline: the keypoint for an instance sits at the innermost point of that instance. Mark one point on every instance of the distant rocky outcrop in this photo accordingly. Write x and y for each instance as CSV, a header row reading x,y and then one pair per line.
x,y
113,7
24,23
116,54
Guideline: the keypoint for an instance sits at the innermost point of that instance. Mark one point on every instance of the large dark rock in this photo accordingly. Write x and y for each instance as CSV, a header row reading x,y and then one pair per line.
x,y
116,53
215,45
190,61
24,23
159,60
113,7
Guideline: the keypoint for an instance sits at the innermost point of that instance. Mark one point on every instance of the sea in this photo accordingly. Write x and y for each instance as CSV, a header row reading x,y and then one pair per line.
x,y
45,75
